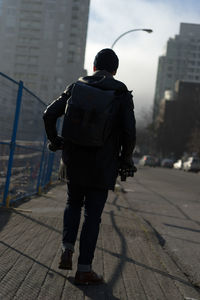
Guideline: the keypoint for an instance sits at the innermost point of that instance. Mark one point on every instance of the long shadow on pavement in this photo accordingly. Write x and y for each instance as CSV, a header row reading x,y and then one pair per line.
x,y
103,291
94,292
36,221
124,259
181,227
142,211
181,239
114,277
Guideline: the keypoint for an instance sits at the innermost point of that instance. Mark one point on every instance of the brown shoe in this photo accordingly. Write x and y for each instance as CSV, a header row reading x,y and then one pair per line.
x,y
66,260
88,278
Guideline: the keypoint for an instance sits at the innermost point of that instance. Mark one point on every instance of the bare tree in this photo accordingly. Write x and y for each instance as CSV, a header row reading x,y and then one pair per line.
x,y
145,131
194,142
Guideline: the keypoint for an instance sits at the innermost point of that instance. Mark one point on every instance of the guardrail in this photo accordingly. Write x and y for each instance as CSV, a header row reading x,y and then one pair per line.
x,y
26,165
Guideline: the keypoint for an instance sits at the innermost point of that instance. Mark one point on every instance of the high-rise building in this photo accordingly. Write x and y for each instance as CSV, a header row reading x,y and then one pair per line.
x,y
42,43
179,119
181,62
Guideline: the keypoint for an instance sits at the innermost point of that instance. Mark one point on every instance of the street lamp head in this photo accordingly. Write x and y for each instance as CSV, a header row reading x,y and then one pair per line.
x,y
148,30
119,37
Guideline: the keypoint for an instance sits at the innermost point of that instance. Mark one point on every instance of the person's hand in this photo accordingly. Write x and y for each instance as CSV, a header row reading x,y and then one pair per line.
x,y
127,169
56,144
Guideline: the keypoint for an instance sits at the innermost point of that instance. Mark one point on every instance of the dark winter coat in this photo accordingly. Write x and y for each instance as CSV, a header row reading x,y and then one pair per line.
x,y
97,167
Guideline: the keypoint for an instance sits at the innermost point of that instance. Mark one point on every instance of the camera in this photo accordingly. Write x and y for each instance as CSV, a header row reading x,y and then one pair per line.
x,y
127,172
122,174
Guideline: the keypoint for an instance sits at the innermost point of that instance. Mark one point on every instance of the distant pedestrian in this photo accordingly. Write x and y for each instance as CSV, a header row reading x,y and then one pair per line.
x,y
98,139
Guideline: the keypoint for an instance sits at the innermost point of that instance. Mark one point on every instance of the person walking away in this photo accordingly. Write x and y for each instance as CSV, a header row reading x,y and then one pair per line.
x,y
98,139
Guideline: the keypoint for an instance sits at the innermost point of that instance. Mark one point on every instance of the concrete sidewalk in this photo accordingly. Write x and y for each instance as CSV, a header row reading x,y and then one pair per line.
x,y
128,255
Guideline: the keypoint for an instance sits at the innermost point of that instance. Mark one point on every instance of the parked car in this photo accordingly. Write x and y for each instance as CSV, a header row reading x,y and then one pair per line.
x,y
178,164
157,161
192,164
147,160
167,163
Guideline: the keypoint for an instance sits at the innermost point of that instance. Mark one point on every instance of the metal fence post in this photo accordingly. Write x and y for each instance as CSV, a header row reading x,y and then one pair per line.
x,y
44,169
38,188
50,167
6,199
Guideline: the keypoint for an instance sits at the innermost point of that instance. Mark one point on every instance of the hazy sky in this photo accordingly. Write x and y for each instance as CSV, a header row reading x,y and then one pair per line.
x,y
138,51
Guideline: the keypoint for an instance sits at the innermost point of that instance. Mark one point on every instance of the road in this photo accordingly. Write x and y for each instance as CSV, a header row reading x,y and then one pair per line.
x,y
169,200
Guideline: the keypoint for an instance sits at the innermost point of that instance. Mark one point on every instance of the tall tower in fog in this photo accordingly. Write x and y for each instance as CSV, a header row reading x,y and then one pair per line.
x,y
181,61
42,42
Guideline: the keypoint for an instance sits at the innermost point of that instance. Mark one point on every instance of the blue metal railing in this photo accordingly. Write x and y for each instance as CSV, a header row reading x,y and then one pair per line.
x,y
25,163
13,142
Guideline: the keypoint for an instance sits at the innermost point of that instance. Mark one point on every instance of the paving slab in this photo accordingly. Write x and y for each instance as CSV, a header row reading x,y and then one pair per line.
x,y
169,201
128,254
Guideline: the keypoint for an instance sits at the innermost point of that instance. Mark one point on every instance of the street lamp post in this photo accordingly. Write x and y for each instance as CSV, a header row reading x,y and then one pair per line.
x,y
119,37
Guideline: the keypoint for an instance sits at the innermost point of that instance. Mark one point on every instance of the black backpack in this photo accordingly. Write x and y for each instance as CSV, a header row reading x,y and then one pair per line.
x,y
87,120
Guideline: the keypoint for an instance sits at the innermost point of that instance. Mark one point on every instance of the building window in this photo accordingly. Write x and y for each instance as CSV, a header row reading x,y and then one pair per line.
x,y
24,23
191,70
61,26
71,55
20,67
59,54
192,62
59,80
58,61
33,50
60,45
21,58
34,42
72,47
10,21
33,59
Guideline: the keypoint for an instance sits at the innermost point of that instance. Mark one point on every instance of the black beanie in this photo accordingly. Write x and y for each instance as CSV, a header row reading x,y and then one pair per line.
x,y
106,59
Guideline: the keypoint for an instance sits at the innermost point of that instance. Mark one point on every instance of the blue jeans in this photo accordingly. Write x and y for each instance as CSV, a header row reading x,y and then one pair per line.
x,y
93,201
